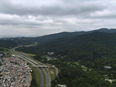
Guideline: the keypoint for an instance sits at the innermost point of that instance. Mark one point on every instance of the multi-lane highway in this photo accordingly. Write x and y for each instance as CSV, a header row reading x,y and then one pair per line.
x,y
37,65
41,77
47,77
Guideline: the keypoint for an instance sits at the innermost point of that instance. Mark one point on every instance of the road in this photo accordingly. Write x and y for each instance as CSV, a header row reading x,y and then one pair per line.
x,y
35,64
41,77
47,77
56,71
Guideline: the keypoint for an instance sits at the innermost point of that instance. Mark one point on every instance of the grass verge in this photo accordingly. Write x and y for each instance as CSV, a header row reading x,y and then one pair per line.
x,y
35,77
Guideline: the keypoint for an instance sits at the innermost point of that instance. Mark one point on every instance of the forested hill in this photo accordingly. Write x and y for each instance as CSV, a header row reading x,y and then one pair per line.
x,y
7,43
93,49
83,45
48,39
66,40
69,35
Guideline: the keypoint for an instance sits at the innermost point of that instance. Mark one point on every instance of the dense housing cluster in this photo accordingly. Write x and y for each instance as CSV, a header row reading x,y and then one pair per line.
x,y
14,72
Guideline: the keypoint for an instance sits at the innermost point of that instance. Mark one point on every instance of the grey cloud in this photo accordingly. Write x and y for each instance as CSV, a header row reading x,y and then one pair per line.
x,y
105,16
16,22
72,15
53,10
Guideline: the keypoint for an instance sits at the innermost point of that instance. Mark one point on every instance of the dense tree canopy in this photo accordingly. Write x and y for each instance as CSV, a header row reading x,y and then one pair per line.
x,y
93,50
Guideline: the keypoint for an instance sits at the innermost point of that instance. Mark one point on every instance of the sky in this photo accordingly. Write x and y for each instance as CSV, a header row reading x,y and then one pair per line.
x,y
42,17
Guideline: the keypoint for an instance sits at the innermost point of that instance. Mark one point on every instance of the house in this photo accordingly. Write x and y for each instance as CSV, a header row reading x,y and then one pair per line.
x,y
50,53
63,85
13,55
107,67
1,55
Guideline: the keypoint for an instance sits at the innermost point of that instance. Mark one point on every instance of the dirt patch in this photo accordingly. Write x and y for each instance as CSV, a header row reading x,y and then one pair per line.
x,y
51,72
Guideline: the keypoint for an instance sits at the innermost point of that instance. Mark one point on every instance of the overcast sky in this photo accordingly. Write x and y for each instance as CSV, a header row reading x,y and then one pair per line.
x,y
41,17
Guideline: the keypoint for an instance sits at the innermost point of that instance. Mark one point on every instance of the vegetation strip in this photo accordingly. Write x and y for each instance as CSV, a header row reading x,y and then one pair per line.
x,y
52,73
35,77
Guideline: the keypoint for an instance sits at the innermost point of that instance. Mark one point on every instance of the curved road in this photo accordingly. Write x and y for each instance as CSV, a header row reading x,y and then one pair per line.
x,y
41,77
47,78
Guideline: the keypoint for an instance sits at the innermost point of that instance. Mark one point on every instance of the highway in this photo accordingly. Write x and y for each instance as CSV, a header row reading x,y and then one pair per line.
x,y
37,65
47,77
41,77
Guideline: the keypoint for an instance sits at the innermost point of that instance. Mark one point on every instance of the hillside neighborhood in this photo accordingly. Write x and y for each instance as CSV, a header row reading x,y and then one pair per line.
x,y
15,72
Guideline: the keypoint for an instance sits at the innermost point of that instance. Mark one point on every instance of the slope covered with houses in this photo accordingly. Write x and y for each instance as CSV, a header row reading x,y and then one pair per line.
x,y
15,72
